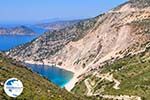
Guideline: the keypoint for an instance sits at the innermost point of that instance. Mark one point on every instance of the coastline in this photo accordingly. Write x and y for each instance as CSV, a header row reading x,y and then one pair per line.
x,y
49,64
69,86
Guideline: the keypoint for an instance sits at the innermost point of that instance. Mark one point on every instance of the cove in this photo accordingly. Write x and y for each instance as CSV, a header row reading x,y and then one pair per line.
x,y
56,75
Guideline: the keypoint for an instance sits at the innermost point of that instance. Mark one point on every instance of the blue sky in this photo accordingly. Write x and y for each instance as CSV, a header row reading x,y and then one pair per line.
x,y
37,10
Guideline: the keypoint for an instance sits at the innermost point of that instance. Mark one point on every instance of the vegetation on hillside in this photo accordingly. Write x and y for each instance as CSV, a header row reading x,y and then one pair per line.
x,y
35,86
132,72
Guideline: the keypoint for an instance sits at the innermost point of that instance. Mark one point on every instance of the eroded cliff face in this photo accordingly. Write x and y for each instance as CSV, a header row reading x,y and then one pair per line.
x,y
89,43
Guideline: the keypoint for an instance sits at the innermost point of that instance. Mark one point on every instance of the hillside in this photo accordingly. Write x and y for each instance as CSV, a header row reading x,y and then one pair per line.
x,y
88,44
53,41
133,5
125,79
35,86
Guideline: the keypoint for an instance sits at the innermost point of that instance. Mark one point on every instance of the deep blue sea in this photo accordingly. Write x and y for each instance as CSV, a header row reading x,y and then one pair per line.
x,y
54,74
10,41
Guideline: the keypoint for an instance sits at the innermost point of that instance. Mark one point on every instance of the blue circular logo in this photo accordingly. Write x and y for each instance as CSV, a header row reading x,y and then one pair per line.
x,y
13,87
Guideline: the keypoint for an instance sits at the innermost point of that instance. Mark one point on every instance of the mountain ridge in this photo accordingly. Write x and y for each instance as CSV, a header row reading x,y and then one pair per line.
x,y
133,5
57,25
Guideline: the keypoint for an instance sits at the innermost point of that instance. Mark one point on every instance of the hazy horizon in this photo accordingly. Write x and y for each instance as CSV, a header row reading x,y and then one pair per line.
x,y
32,11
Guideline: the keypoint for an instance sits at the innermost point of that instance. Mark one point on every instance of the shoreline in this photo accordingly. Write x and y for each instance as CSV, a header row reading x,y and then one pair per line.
x,y
68,86
49,64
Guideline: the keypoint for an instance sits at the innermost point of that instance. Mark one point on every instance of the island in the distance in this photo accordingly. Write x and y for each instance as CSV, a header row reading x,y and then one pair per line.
x,y
18,30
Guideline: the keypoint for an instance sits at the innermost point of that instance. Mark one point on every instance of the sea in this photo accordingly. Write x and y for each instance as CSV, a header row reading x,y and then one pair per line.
x,y
8,42
58,76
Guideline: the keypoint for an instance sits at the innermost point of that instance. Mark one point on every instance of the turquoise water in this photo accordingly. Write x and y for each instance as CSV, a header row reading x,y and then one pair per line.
x,y
54,74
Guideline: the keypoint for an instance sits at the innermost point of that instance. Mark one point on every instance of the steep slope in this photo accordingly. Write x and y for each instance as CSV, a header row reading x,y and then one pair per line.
x,y
88,44
51,42
134,5
125,79
35,87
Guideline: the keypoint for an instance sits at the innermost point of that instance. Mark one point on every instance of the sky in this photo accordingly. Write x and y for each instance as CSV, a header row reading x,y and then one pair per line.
x,y
38,10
